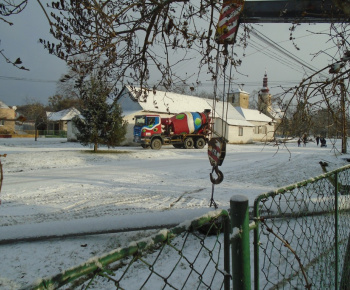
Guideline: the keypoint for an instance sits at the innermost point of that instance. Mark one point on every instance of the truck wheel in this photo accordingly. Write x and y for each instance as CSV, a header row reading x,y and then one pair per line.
x,y
188,144
200,143
156,144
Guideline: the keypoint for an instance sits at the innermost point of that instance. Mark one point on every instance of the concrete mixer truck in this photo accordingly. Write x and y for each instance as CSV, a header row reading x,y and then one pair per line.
x,y
184,130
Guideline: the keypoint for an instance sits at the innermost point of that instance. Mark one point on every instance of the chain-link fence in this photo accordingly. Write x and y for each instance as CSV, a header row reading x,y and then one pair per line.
x,y
301,241
190,256
303,234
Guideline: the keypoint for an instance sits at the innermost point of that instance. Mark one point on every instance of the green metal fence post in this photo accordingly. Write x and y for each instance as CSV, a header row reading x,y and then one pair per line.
x,y
256,244
239,211
336,219
227,231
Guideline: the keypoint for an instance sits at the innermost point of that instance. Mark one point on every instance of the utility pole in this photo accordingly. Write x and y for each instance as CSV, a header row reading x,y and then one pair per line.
x,y
343,113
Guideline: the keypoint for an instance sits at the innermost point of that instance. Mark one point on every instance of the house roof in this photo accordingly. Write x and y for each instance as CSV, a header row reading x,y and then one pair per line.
x,y
237,90
234,117
277,113
173,103
253,115
64,115
3,105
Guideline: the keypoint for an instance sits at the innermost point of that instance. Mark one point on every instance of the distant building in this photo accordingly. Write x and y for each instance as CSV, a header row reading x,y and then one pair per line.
x,y
264,126
57,121
265,98
7,119
234,125
238,98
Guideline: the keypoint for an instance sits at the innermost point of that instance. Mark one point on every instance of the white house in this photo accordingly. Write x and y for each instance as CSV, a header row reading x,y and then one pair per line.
x,y
230,122
58,120
62,121
264,126
235,128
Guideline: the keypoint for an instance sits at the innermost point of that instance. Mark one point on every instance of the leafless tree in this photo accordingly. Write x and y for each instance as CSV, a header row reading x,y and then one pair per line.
x,y
326,88
8,8
136,40
144,43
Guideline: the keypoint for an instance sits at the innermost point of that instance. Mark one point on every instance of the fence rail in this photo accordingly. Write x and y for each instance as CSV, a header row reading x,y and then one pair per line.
x,y
301,241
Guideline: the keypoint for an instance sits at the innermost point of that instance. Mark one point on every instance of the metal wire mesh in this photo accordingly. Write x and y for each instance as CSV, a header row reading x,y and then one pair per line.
x,y
301,241
172,266
303,234
186,257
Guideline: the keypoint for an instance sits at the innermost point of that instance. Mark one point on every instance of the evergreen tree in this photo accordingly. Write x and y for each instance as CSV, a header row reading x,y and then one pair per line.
x,y
101,122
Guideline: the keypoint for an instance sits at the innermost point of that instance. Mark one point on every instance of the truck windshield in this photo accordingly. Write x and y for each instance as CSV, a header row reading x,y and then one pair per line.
x,y
140,120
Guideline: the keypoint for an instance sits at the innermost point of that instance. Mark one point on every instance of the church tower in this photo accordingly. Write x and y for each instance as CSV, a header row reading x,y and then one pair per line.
x,y
264,101
239,98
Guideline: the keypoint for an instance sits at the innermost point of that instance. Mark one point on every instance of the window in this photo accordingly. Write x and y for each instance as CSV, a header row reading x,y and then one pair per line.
x,y
2,122
240,131
260,130
140,120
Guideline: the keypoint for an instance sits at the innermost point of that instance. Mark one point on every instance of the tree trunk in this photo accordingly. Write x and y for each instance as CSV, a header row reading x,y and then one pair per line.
x,y
95,147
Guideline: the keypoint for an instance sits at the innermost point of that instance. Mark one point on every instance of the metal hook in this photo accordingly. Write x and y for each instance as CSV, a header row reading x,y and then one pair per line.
x,y
220,175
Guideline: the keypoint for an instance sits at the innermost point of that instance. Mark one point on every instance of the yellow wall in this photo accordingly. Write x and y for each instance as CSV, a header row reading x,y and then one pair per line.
x,y
7,127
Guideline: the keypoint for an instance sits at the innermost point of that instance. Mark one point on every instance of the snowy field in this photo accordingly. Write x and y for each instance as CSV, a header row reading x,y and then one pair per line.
x,y
55,188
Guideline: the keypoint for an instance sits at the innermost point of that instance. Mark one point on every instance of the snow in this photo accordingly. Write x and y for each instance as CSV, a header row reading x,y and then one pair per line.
x,y
163,102
253,115
239,198
3,105
53,188
64,115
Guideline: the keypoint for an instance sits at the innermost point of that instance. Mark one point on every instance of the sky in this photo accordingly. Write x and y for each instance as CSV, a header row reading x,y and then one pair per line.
x,y
22,40
52,187
19,87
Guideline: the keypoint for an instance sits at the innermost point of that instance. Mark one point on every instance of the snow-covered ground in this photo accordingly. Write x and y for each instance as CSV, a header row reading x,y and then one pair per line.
x,y
55,188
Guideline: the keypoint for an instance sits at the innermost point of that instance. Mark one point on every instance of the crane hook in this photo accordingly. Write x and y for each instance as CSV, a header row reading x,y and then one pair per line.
x,y
220,175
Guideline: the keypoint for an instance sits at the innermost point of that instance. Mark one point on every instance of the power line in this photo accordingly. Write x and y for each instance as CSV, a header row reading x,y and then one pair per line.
x,y
278,58
280,54
282,50
26,79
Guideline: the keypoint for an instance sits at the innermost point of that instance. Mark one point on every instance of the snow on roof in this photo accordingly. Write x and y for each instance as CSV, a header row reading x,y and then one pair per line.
x,y
277,113
173,103
64,115
238,90
253,115
3,105
241,123
234,117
